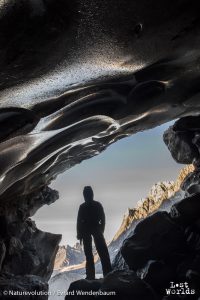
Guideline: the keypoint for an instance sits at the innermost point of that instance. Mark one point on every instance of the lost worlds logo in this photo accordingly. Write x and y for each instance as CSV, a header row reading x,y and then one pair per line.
x,y
181,288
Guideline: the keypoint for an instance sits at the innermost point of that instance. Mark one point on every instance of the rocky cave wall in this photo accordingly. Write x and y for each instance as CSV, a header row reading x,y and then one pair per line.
x,y
76,77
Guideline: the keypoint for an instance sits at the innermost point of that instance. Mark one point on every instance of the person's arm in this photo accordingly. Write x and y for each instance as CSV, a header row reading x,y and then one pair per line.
x,y
102,219
78,225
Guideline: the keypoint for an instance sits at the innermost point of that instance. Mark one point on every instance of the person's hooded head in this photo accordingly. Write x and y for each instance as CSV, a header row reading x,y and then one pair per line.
x,y
88,194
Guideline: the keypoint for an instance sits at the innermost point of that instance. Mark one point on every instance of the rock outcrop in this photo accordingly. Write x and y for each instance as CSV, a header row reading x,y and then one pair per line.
x,y
116,285
68,256
25,251
153,239
182,140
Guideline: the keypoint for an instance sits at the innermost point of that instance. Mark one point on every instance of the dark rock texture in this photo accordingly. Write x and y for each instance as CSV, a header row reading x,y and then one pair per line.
x,y
191,183
153,239
116,285
28,287
182,140
158,275
83,285
127,285
25,251
187,211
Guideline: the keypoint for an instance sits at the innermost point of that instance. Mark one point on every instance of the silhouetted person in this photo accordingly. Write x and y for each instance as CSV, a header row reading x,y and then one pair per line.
x,y
91,223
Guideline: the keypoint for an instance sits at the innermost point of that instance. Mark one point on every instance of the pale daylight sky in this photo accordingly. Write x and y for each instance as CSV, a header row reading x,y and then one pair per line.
x,y
120,177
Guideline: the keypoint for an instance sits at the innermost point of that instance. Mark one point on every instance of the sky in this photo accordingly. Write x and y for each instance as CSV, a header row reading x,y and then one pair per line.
x,y
120,177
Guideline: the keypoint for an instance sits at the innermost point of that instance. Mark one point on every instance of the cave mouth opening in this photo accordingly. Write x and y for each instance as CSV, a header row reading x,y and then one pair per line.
x,y
120,177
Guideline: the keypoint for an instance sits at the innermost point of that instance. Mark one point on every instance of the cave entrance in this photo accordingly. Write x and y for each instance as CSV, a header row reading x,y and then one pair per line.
x,y
120,177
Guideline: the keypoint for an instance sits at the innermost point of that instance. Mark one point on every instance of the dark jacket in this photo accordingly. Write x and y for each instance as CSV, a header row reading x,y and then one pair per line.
x,y
91,218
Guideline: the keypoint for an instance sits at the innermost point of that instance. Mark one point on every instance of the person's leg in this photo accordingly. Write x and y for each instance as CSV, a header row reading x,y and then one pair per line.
x,y
87,245
102,250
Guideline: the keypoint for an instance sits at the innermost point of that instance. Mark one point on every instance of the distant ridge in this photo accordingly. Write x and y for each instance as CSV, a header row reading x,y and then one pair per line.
x,y
159,193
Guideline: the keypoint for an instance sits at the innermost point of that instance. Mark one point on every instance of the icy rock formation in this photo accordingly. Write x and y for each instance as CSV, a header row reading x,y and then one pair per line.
x,y
76,76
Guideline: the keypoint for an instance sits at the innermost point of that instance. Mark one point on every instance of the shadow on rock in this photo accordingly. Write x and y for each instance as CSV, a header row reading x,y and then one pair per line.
x,y
116,285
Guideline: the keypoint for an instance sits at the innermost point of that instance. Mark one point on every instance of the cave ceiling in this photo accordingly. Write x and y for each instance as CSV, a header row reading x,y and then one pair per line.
x,y
76,76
